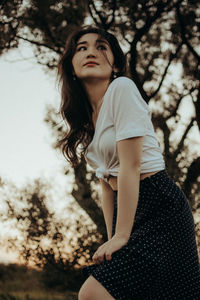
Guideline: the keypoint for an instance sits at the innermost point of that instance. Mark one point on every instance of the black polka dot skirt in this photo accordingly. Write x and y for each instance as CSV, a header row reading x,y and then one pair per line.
x,y
160,259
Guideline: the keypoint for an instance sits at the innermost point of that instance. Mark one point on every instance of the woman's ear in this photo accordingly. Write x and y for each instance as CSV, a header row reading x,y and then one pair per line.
x,y
116,70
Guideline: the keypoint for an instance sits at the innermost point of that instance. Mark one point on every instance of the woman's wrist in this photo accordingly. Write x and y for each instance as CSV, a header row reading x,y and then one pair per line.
x,y
109,237
122,236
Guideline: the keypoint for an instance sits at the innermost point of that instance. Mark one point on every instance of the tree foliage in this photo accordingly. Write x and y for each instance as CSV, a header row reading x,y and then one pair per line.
x,y
48,240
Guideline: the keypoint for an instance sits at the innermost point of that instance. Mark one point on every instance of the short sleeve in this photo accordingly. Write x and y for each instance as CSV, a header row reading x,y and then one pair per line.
x,y
130,112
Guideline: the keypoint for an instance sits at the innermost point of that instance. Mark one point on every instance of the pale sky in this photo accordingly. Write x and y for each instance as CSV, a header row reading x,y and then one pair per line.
x,y
25,142
25,139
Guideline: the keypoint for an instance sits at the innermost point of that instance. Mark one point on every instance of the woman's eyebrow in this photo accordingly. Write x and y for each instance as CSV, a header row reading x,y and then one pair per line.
x,y
102,41
97,41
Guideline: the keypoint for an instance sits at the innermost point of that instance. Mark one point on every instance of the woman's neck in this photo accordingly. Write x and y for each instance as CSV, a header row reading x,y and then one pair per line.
x,y
96,90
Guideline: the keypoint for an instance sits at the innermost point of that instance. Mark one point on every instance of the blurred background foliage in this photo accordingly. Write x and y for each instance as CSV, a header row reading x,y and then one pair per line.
x,y
161,42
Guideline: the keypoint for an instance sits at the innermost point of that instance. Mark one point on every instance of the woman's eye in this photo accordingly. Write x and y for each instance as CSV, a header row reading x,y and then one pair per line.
x,y
102,46
78,49
99,46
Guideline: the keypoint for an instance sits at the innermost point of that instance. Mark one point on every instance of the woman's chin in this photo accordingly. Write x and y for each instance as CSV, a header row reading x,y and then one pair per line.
x,y
94,77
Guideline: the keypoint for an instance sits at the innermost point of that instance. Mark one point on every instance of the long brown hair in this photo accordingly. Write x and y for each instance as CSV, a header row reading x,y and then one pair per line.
x,y
75,107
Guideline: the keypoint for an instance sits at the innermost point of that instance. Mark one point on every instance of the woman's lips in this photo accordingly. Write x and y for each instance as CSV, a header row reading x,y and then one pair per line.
x,y
91,64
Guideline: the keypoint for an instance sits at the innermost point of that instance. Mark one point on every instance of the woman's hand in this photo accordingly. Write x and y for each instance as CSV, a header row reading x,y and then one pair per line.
x,y
105,251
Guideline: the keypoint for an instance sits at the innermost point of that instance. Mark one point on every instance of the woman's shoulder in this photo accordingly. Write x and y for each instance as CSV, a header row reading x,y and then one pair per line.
x,y
122,82
124,87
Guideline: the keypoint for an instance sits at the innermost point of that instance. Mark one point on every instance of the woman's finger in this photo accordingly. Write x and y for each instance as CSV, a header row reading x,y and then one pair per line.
x,y
98,257
94,257
108,256
102,257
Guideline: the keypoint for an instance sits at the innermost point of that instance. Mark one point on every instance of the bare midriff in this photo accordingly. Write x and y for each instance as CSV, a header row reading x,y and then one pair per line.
x,y
113,179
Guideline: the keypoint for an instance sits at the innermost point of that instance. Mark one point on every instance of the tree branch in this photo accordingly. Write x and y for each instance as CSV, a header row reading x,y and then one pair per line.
x,y
160,122
197,108
38,44
180,144
2,3
142,31
103,19
113,7
172,56
84,199
91,14
174,112
183,34
192,175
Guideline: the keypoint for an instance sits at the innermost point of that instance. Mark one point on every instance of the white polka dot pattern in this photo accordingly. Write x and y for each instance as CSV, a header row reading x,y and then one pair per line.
x,y
160,260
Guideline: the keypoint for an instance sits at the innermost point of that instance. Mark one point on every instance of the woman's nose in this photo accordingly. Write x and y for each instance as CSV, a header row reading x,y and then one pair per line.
x,y
91,55
91,52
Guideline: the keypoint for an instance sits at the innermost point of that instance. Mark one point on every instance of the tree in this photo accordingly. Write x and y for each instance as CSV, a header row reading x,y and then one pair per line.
x,y
48,240
159,37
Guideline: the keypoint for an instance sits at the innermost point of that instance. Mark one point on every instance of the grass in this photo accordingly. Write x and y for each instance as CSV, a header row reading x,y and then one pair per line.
x,y
21,283
38,295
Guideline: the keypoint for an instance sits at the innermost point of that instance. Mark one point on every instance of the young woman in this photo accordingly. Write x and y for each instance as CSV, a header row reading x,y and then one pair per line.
x,y
151,252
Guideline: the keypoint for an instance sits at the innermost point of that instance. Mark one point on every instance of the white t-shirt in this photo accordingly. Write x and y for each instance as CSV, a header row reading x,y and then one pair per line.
x,y
123,114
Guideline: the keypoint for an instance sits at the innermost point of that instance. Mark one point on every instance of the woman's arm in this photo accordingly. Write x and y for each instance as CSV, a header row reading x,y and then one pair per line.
x,y
129,153
107,206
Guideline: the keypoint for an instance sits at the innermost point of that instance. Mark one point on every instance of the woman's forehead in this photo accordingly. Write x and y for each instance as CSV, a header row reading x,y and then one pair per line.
x,y
95,37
